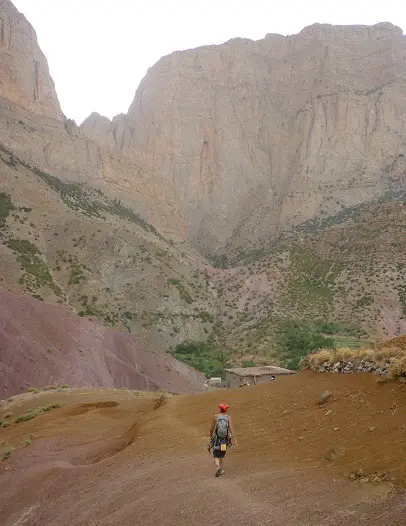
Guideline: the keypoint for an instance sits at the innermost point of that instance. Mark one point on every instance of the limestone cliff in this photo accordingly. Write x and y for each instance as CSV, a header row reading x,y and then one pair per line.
x,y
25,82
225,146
257,136
33,126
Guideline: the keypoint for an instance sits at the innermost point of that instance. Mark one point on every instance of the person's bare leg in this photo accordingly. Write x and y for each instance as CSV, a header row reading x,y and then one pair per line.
x,y
219,464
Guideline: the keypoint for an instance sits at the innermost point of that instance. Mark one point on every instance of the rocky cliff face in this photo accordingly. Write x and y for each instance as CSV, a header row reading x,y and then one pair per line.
x,y
33,126
255,137
223,147
25,82
226,146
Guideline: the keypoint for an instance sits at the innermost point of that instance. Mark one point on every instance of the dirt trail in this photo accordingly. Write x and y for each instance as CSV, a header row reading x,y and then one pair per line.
x,y
144,461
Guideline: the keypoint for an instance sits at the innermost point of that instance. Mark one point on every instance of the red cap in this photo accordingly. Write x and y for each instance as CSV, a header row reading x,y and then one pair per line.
x,y
224,407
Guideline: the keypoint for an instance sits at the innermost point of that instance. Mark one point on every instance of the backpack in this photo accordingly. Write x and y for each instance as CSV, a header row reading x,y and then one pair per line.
x,y
222,426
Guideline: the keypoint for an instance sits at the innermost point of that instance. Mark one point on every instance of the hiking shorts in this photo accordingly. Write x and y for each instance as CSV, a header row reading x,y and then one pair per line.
x,y
219,454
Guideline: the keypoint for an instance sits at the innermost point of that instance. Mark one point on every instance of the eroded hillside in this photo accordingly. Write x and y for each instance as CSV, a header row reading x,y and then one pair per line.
x,y
69,244
348,268
45,345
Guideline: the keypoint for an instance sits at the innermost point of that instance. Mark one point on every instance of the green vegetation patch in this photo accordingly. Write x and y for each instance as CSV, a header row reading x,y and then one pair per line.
x,y
80,197
7,452
206,317
312,280
36,270
364,301
349,213
203,357
183,293
32,413
346,341
344,329
72,194
249,363
76,274
30,259
116,208
402,296
91,308
296,340
6,206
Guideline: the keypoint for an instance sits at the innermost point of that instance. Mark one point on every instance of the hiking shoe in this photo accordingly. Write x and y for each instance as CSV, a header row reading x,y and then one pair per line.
x,y
219,472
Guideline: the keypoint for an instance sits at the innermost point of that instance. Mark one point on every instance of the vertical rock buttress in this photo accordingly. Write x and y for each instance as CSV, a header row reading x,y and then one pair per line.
x,y
36,79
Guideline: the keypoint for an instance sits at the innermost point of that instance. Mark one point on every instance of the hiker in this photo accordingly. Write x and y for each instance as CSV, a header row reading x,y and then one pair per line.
x,y
221,436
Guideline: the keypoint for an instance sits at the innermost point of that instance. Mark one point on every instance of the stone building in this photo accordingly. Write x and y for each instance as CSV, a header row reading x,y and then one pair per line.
x,y
240,376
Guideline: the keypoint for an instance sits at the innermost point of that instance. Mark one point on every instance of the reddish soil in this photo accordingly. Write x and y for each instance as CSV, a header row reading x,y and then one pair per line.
x,y
43,344
115,457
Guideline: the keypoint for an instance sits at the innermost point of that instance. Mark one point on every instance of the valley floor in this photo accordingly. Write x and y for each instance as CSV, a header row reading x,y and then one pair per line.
x,y
112,457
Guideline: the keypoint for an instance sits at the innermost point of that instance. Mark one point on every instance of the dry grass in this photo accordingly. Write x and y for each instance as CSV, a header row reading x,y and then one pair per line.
x,y
398,368
383,355
399,342
379,356
322,356
345,354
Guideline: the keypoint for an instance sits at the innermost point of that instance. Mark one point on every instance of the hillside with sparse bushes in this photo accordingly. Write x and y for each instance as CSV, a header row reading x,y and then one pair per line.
x,y
221,252
337,283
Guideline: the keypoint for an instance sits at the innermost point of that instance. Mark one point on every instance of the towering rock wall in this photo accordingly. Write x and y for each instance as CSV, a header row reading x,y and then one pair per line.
x,y
226,145
259,136
33,126
25,82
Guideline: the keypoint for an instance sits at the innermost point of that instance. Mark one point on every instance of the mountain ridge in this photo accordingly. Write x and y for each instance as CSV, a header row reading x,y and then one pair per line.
x,y
211,150
187,69
95,225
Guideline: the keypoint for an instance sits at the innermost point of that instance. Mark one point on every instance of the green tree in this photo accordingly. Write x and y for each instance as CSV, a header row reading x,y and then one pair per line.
x,y
202,356
296,340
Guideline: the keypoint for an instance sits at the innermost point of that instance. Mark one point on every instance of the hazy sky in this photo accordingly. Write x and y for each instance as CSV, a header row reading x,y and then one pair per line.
x,y
99,50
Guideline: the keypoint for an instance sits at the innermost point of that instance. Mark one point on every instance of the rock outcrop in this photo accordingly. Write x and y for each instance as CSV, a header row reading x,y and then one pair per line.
x,y
33,126
25,82
255,137
225,146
